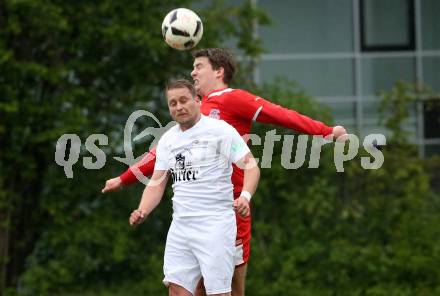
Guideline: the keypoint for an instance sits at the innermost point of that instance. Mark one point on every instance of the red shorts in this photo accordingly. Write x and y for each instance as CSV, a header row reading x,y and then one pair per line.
x,y
243,241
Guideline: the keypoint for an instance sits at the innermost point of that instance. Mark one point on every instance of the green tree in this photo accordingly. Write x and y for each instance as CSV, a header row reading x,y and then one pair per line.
x,y
80,67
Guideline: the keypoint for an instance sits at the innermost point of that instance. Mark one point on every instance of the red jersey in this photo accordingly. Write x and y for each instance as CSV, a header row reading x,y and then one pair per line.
x,y
240,108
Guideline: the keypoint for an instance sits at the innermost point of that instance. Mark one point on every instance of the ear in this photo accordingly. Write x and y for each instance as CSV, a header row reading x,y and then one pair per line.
x,y
220,72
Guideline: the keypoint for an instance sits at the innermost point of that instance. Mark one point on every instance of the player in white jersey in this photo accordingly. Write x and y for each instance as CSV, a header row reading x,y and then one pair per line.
x,y
198,154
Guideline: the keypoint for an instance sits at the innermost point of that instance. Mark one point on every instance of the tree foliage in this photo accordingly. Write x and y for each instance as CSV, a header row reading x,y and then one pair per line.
x,y
79,67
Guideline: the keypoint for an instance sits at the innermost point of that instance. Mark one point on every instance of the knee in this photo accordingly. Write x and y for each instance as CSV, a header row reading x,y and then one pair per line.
x,y
176,290
173,290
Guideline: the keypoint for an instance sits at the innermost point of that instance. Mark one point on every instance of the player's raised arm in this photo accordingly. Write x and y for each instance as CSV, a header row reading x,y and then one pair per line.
x,y
276,114
150,198
258,109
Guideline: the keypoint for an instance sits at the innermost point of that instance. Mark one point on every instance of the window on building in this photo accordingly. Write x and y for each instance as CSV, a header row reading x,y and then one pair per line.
x,y
298,26
381,73
326,77
387,25
430,24
432,119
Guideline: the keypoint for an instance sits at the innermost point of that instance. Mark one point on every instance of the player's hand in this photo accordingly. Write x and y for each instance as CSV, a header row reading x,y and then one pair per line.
x,y
112,185
137,217
339,133
241,206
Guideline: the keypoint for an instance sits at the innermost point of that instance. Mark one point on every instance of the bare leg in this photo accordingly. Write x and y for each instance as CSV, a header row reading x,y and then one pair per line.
x,y
176,290
200,289
239,280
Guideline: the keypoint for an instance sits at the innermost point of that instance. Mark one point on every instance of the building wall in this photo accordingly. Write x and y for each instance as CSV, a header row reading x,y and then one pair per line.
x,y
344,52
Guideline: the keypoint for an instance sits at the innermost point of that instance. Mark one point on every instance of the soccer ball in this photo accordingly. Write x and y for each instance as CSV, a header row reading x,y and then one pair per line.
x,y
182,29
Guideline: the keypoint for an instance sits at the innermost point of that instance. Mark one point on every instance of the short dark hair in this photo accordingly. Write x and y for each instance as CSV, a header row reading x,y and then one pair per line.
x,y
219,58
181,83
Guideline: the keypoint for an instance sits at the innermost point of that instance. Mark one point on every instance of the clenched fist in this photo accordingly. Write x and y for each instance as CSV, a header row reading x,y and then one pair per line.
x,y
112,185
137,217
241,206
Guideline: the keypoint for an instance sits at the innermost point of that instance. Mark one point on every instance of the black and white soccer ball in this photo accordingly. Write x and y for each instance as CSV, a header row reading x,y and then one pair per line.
x,y
182,29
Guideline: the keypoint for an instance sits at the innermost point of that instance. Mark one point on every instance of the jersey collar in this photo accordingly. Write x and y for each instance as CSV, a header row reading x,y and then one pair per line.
x,y
218,92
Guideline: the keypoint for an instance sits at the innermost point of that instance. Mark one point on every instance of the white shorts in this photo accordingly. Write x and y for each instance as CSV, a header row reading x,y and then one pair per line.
x,y
201,246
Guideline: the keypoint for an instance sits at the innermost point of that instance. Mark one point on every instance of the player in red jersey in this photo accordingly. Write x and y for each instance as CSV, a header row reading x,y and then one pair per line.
x,y
213,70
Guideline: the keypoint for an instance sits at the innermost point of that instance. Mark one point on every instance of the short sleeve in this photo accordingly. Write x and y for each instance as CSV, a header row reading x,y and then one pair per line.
x,y
238,146
162,163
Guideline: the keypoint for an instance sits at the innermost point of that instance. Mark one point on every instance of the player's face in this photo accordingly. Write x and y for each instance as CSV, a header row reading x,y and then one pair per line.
x,y
205,77
184,108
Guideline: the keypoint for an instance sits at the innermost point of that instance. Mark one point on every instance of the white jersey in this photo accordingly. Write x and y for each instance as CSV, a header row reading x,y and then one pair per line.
x,y
200,160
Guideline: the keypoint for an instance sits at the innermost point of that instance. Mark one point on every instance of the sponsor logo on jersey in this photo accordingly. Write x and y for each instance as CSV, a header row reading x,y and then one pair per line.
x,y
214,113
183,171
180,162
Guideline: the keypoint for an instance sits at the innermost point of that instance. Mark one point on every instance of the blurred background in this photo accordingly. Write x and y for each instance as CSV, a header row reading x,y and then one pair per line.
x,y
82,67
